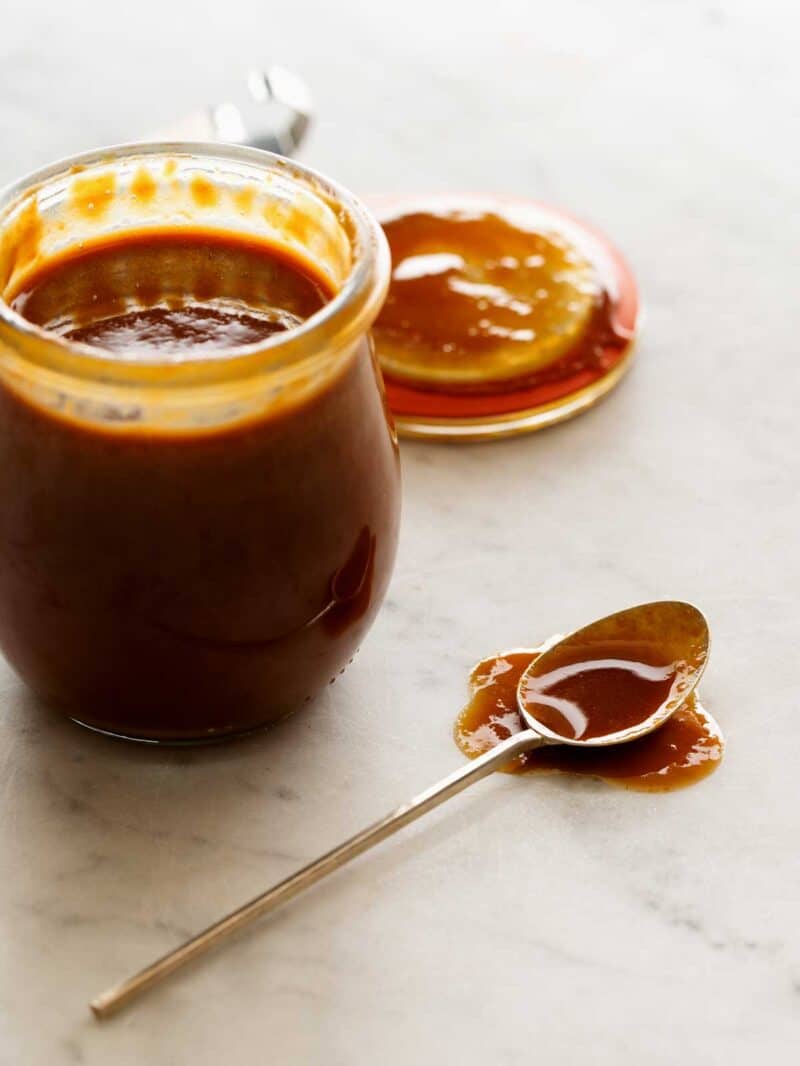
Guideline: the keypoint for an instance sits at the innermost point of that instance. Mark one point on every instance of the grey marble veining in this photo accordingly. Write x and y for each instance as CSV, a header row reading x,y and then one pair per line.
x,y
550,920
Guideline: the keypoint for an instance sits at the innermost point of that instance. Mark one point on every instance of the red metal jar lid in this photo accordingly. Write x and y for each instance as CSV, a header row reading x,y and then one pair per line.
x,y
503,316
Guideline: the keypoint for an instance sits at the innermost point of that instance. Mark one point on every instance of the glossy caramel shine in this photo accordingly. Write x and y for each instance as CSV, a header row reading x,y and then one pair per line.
x,y
685,749
475,298
495,309
598,689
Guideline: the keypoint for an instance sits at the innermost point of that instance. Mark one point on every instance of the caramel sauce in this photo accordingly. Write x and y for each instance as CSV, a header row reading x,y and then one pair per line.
x,y
204,192
607,687
21,248
686,748
180,585
144,186
92,195
171,292
484,316
474,298
244,199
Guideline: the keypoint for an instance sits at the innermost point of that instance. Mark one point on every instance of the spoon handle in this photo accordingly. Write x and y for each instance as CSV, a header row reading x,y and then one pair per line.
x,y
112,1000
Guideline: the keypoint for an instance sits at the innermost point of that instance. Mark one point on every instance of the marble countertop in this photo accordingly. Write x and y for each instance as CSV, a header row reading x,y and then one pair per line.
x,y
549,920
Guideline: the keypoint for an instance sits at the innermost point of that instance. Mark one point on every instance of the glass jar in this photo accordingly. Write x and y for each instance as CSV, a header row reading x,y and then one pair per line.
x,y
192,546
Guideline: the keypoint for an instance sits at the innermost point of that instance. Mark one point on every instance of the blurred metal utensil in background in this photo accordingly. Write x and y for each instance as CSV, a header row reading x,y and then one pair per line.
x,y
274,112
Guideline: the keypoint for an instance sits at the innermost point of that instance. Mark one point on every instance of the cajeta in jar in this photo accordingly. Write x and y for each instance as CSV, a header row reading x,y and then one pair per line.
x,y
199,480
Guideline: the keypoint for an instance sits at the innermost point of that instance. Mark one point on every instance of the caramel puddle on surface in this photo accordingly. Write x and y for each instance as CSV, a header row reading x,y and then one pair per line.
x,y
687,748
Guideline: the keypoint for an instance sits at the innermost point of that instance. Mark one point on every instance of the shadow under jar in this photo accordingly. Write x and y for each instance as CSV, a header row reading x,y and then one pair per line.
x,y
193,539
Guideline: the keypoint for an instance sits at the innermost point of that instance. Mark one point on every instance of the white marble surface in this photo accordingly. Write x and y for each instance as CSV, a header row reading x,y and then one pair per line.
x,y
551,920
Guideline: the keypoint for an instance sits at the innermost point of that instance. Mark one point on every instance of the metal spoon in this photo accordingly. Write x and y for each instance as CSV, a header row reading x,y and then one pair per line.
x,y
678,628
271,110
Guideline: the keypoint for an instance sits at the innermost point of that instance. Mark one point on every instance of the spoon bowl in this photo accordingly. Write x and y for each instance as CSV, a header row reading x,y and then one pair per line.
x,y
618,678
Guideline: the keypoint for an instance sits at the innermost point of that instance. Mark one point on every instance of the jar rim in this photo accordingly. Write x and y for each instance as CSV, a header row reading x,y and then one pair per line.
x,y
337,324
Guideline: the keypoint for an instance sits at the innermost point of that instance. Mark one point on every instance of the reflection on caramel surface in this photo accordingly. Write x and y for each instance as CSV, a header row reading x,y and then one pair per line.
x,y
474,298
596,690
351,585
687,748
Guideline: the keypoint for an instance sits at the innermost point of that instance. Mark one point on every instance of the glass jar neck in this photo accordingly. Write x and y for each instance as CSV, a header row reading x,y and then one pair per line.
x,y
235,191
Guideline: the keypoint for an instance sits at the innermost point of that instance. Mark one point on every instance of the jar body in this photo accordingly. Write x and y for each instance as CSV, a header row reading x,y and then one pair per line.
x,y
172,581
189,587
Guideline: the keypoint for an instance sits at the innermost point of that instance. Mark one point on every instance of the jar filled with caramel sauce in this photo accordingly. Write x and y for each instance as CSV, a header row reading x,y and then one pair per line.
x,y
199,482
